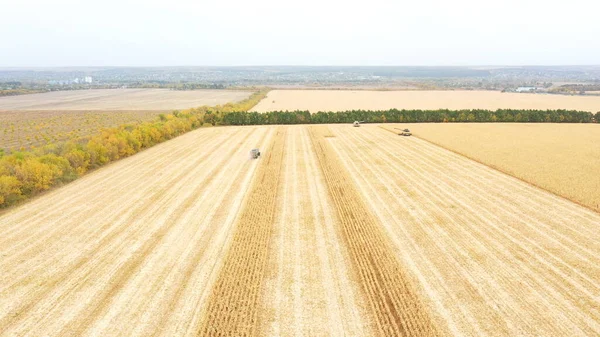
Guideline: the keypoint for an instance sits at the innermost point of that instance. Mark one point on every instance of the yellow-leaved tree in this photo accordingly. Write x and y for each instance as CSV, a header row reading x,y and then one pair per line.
x,y
10,189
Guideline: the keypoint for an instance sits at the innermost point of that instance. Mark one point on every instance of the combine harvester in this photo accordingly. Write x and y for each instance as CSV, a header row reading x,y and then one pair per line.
x,y
357,123
254,154
404,132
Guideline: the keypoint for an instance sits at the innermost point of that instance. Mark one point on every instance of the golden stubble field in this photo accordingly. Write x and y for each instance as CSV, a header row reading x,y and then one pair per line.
x,y
121,99
562,158
334,231
341,100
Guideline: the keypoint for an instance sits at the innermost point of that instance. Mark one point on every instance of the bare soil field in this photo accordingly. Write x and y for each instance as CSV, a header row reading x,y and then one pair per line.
x,y
121,99
27,128
334,231
341,100
562,158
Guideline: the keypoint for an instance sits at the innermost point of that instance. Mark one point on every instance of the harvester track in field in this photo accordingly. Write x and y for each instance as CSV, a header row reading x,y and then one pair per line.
x,y
235,299
396,307
310,288
495,256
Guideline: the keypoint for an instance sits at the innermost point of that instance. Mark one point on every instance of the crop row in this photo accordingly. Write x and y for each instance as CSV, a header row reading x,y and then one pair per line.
x,y
235,299
396,307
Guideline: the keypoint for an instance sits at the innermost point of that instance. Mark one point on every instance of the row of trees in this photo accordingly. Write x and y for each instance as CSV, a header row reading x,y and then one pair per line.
x,y
16,92
23,174
27,173
177,86
409,116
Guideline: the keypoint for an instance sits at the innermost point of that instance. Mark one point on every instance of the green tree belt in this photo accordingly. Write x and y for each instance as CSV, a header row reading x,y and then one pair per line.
x,y
409,116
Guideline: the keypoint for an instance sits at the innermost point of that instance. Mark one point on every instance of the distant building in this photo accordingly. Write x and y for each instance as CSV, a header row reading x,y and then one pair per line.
x,y
87,79
526,89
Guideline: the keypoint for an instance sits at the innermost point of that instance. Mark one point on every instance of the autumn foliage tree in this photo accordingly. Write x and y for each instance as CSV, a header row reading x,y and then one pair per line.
x,y
10,189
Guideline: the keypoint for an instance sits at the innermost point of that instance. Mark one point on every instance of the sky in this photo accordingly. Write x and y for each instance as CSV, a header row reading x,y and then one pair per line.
x,y
42,33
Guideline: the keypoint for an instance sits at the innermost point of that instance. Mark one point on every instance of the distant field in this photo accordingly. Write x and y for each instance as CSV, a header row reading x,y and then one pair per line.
x,y
25,128
340,100
39,119
562,158
121,99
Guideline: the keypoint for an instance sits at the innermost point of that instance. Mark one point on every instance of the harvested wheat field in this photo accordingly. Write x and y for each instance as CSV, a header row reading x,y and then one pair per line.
x,y
334,231
341,100
121,99
562,158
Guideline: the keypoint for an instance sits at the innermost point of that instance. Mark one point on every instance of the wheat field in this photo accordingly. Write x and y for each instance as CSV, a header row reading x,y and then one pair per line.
x,y
341,100
561,158
334,231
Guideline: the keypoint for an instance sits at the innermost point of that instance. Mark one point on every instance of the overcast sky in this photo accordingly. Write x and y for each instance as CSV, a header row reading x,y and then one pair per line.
x,y
307,32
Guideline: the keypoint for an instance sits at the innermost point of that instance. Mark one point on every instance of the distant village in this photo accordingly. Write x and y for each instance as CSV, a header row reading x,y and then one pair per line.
x,y
567,80
77,80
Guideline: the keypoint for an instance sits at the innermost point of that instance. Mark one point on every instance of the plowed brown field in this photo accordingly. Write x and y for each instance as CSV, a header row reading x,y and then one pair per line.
x,y
334,231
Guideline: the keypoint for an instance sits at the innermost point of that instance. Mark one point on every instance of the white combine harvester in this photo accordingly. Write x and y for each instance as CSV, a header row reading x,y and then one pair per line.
x,y
357,123
404,132
254,154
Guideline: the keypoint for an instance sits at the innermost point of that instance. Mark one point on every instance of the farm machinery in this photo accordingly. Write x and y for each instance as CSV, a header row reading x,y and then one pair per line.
x,y
357,123
404,132
254,154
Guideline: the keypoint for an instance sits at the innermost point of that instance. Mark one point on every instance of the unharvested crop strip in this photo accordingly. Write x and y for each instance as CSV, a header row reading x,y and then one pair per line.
x,y
396,307
234,302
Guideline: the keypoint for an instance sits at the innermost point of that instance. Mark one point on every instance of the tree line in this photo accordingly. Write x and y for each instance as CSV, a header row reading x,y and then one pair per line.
x,y
177,86
16,92
409,116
